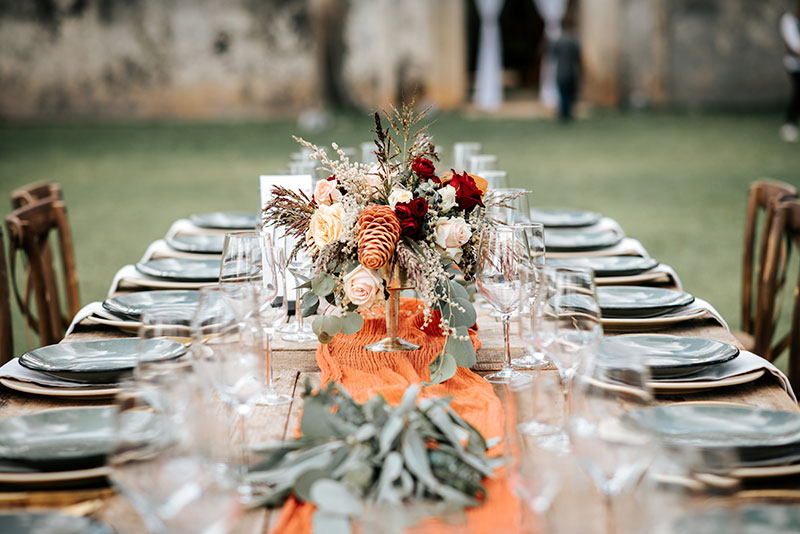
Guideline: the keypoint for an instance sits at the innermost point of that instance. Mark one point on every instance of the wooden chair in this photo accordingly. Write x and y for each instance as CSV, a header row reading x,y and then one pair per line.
x,y
36,191
784,237
762,198
6,338
29,229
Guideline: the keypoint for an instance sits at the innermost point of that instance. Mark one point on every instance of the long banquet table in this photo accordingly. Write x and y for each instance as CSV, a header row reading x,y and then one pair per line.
x,y
293,365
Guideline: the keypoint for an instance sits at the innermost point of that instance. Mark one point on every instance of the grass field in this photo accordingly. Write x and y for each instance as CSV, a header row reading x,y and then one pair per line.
x,y
676,182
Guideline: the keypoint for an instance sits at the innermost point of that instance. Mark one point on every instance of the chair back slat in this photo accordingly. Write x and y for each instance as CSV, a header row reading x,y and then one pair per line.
x,y
782,242
6,336
30,229
762,198
34,192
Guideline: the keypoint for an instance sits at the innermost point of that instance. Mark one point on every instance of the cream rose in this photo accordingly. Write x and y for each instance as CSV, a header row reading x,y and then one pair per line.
x,y
448,194
452,232
327,192
363,287
326,224
399,195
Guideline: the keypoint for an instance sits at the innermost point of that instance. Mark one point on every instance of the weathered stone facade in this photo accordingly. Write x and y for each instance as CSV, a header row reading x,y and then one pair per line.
x,y
261,58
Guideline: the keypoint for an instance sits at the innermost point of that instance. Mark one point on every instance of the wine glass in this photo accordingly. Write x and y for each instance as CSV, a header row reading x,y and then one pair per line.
x,y
478,163
228,347
462,152
164,460
498,279
567,324
301,266
534,439
530,239
613,450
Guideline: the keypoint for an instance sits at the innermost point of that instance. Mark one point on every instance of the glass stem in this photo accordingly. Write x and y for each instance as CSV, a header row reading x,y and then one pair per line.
x,y
297,311
506,327
241,421
611,523
392,313
268,339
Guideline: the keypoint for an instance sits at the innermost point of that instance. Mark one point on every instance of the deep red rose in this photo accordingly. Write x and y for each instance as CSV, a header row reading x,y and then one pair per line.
x,y
419,207
331,178
424,168
467,193
403,211
410,223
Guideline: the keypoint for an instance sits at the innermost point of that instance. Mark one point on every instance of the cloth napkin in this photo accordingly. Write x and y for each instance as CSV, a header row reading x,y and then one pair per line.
x,y
129,276
626,247
93,309
631,323
13,369
185,226
746,362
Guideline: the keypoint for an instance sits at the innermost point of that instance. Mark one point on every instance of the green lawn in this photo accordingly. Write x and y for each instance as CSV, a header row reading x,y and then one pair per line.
x,y
676,182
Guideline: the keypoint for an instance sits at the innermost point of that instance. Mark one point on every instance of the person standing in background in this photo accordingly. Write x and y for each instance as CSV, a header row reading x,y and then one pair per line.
x,y
566,51
790,32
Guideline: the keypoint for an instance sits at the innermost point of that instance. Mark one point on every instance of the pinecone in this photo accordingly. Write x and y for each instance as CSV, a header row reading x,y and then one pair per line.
x,y
378,232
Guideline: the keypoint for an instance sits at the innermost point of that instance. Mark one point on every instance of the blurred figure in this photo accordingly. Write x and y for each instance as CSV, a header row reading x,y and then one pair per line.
x,y
790,32
566,51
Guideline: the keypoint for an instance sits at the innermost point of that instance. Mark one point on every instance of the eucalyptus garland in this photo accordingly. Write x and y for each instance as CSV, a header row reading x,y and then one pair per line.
x,y
350,454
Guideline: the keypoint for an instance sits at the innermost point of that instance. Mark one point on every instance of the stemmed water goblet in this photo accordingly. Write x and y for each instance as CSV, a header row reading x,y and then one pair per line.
x,y
567,325
301,267
498,279
613,450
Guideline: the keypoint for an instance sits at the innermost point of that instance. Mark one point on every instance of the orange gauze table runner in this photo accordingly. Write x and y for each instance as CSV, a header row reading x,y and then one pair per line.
x,y
365,374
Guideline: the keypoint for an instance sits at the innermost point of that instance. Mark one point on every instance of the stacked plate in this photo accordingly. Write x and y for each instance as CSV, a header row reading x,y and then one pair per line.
x,y
581,239
27,523
197,243
613,269
645,308
225,220
681,364
181,269
564,218
766,442
63,447
84,368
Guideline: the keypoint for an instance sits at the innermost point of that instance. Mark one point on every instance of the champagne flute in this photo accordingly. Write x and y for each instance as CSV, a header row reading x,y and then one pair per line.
x,y
613,450
530,239
301,267
498,279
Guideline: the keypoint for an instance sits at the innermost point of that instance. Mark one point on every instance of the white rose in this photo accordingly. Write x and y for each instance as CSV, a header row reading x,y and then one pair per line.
x,y
448,194
452,232
326,224
327,192
363,287
399,195
454,253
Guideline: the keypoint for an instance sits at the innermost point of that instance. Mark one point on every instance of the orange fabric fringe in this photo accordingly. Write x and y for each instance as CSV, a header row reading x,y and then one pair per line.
x,y
365,374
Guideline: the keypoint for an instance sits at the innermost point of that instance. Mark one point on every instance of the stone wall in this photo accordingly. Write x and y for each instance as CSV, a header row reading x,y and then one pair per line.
x,y
684,53
224,59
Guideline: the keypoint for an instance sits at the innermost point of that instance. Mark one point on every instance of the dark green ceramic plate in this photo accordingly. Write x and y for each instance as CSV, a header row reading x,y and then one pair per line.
x,y
639,301
226,220
102,361
133,305
580,239
608,265
50,523
181,269
564,218
197,243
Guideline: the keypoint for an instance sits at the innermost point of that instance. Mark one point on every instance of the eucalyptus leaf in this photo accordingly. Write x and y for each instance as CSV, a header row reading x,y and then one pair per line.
x,y
442,421
416,459
389,434
331,325
457,291
323,285
365,432
302,486
390,471
332,496
351,323
316,325
330,523
409,400
463,351
304,285
442,368
308,300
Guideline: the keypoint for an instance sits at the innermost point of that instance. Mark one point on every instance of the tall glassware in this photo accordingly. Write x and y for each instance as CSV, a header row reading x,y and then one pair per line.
x,y
498,279
530,238
228,345
301,267
567,320
614,451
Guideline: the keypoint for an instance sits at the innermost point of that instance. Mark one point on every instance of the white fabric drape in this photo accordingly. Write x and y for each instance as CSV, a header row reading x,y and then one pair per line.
x,y
552,13
489,75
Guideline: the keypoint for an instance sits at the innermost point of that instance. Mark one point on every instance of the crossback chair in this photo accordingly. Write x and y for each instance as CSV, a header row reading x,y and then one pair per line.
x,y
763,196
784,237
29,231
6,337
31,193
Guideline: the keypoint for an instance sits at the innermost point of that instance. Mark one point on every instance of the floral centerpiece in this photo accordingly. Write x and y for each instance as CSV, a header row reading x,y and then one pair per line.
x,y
373,230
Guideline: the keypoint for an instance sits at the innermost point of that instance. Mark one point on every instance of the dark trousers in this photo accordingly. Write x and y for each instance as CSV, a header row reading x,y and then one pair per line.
x,y
567,93
793,111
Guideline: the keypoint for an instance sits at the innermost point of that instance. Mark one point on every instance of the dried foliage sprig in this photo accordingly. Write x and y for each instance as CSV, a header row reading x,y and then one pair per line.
x,y
290,209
